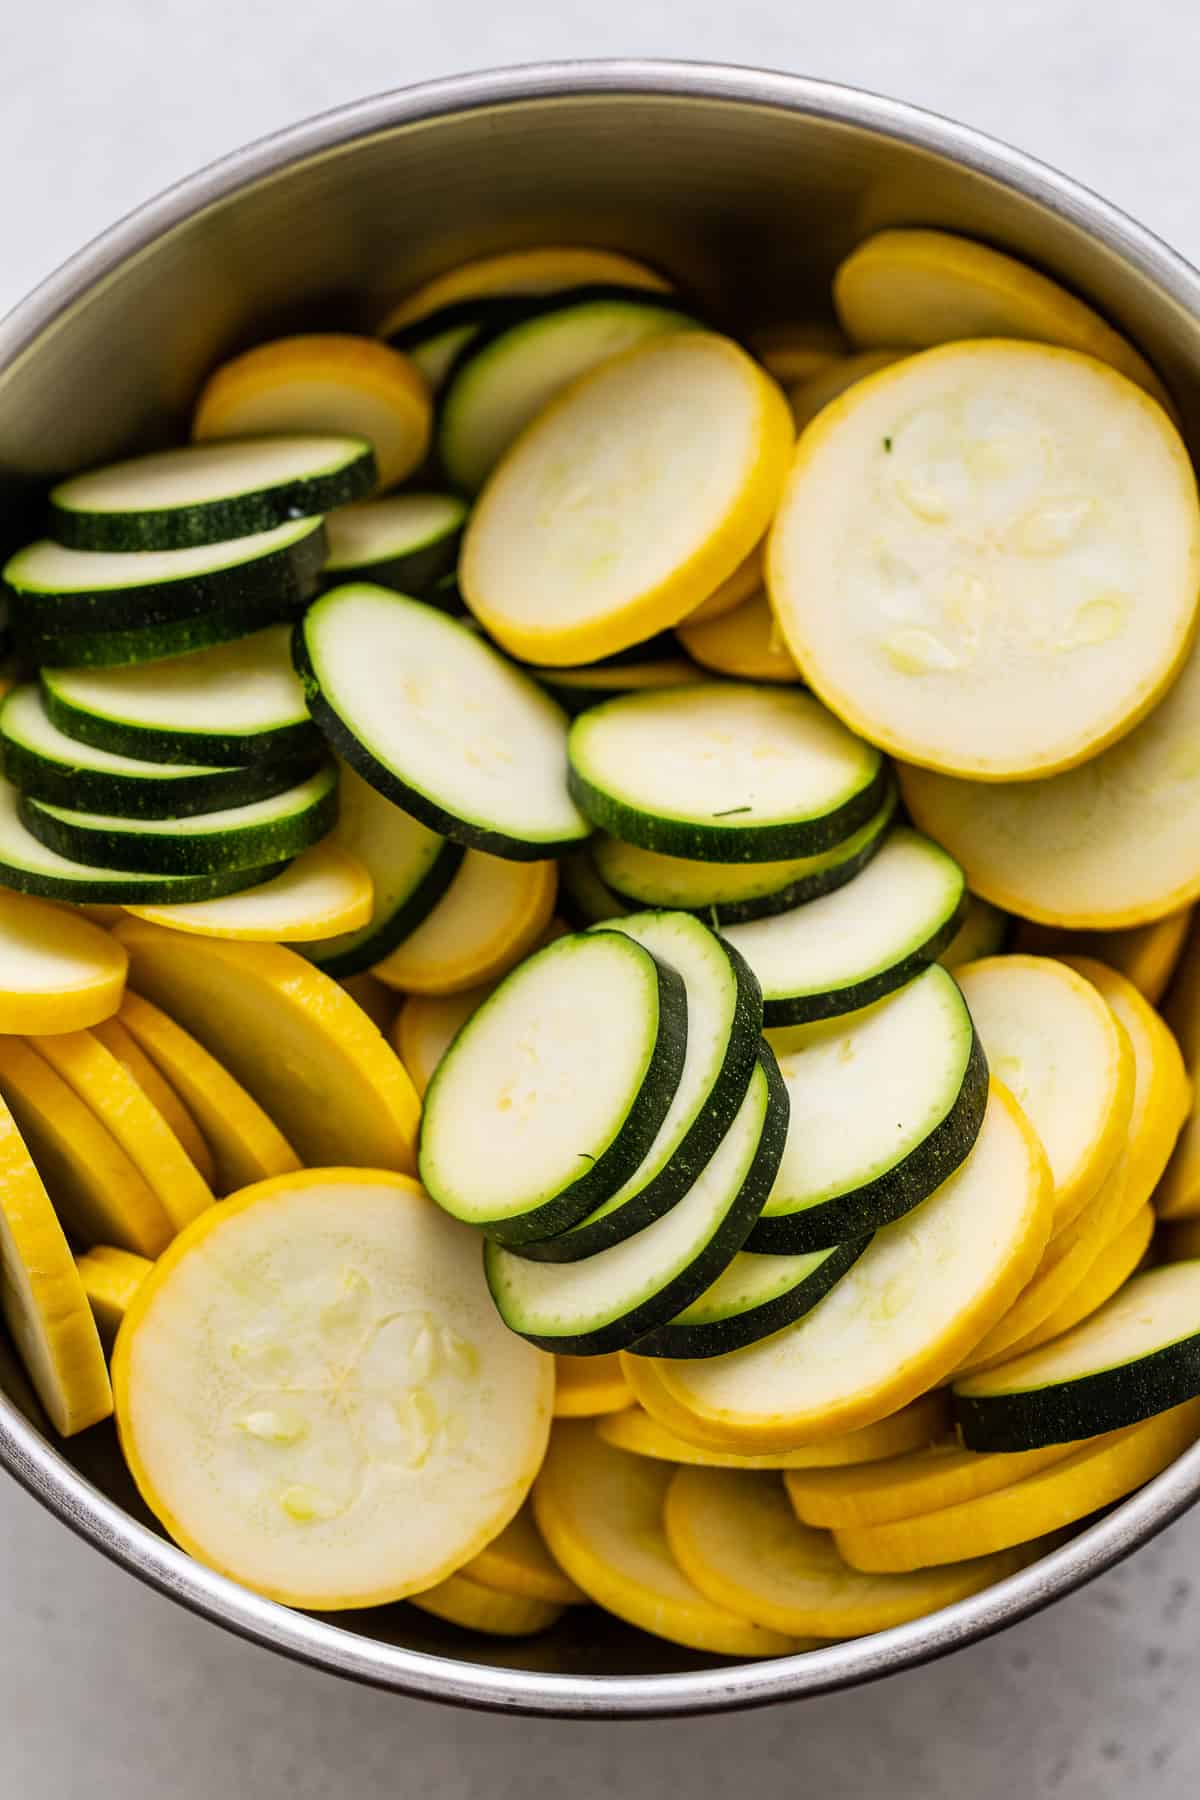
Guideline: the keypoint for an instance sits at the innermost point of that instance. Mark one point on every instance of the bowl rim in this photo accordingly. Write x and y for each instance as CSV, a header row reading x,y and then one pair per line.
x,y
47,1475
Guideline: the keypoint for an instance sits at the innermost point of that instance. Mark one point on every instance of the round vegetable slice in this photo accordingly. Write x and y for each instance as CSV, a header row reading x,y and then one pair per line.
x,y
407,541
1116,1262
518,1562
983,520
320,1400
723,773
1055,1042
542,270
798,348
600,1513
885,1105
1047,1501
96,1189
983,932
753,1297
120,1042
904,1487
325,891
530,1146
246,1145
476,1607
111,1278
588,1387
493,913
903,1317
645,1434
734,1534
58,972
809,397
322,381
386,678
852,947
42,1297
435,341
426,1026
207,493
627,501
593,683
373,998
745,581
746,644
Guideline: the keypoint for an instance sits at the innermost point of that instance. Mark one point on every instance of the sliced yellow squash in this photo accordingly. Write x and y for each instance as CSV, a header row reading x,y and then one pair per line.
x,y
629,499
913,1426
119,1041
322,892
1147,954
426,1024
813,394
587,1387
799,348
111,1278
943,1474
373,996
735,590
746,643
518,1562
545,270
313,1361
982,933
601,1514
492,914
58,972
462,1601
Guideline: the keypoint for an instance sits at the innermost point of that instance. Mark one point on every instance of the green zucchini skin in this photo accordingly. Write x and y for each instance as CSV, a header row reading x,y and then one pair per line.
x,y
716,1337
107,890
854,1216
681,1169
1107,1401
804,1009
584,898
110,649
383,936
171,797
418,572
481,312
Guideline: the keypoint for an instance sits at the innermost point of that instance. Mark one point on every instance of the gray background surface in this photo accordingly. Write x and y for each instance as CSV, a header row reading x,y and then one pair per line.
x,y
106,1689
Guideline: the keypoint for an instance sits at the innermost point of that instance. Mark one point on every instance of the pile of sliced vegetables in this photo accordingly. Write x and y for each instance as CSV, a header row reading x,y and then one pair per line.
x,y
821,1139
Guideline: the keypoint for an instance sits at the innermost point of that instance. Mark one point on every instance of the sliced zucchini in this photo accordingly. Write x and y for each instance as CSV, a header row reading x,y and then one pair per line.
x,y
386,679
902,1318
479,1608
904,1487
48,765
577,689
435,340
510,373
642,1432
724,1012
731,893
322,381
753,1297
983,932
885,1105
368,1377
208,493
617,1295
585,898
108,650
746,644
119,1041
589,1387
407,541
322,894
231,837
410,868
518,1562
855,945
1059,1048
542,270
812,395
627,501
982,520
237,703
493,913
723,773
111,1278
734,1534
1049,1500
601,1514
58,972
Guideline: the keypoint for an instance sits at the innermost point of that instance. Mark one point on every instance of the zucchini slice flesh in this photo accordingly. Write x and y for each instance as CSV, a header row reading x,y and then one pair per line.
x,y
405,541
755,1296
542,270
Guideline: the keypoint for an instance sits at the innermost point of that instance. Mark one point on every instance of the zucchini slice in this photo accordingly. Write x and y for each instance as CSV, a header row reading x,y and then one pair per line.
x,y
983,932
209,843
617,1295
48,765
983,520
585,898
1137,1356
42,1297
812,395
508,375
589,1387
861,942
592,684
58,972
320,895
904,1487
753,1297
386,679
543,270
246,1145
364,1336
236,703
731,893
746,644
208,493
1060,1049
476,1607
410,869
902,1318
530,1147
407,541
601,1514
119,1041
493,913
435,341
922,288
518,1562
322,381
733,1533
642,1432
95,1189
1049,1500
111,1278
723,773
629,499
724,1014
885,1105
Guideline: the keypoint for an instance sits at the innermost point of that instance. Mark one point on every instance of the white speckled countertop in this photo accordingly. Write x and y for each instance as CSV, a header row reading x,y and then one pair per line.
x,y
104,1687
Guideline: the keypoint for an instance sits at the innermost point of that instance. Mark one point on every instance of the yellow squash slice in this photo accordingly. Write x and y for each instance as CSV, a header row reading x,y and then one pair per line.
x,y
982,933
545,270
518,1562
587,1387
812,395
799,348
944,1474
119,1041
375,999
111,1278
746,643
324,891
301,1046
492,914
913,1427
461,1601
426,1024
1146,954
58,972
316,1396
735,590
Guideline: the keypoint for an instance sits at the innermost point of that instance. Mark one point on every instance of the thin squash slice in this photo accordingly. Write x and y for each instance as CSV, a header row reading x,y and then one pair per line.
x,y
42,1297
679,450
304,1050
111,1278
798,348
1098,1473
984,519
322,381
904,1487
362,1374
370,994
543,270
246,1145
983,932
746,643
426,1025
120,1042
736,1537
1146,954
518,1562
639,1431
58,972
493,913
601,1513
745,581
590,1387
809,397
324,891
462,1601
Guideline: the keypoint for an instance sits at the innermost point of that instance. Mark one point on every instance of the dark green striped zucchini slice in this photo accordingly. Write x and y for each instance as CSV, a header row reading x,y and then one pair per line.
x,y
753,1297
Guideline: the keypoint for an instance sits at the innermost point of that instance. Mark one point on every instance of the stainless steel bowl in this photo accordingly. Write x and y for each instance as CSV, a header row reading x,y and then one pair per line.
x,y
748,187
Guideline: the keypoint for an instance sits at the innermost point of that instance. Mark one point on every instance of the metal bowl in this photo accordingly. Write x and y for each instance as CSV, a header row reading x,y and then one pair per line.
x,y
748,187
